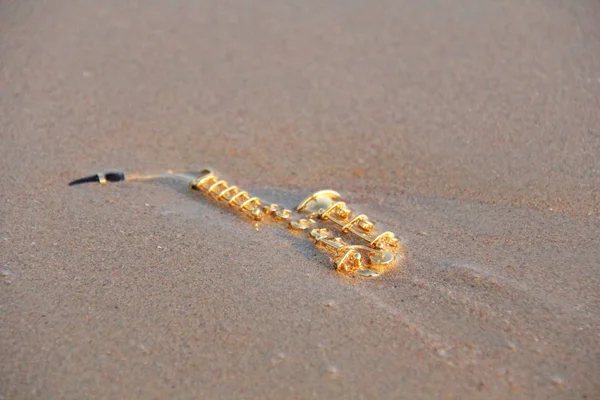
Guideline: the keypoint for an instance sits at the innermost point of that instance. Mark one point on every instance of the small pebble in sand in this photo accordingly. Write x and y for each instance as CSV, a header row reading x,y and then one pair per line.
x,y
329,371
511,345
276,359
442,353
143,348
5,275
330,304
557,380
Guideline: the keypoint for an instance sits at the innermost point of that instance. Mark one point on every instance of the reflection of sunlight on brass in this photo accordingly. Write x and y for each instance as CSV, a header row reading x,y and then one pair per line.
x,y
386,239
276,211
318,202
367,273
237,198
324,205
363,260
216,185
302,224
228,190
348,258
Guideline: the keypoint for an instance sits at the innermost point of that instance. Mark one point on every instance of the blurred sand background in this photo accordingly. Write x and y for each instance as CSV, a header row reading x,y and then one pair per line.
x,y
470,128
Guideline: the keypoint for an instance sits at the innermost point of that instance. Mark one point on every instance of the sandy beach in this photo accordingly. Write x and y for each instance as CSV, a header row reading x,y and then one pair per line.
x,y
471,129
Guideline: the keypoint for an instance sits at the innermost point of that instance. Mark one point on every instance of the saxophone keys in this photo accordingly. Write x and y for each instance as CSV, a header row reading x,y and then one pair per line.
x,y
351,261
283,214
212,189
338,209
224,193
368,273
302,224
366,225
385,239
200,182
240,195
250,201
276,211
381,257
361,221
318,202
257,214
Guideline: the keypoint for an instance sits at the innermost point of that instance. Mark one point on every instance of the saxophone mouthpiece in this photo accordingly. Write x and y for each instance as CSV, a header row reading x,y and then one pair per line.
x,y
101,178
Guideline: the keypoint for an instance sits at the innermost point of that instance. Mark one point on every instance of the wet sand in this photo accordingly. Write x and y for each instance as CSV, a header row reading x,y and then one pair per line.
x,y
472,130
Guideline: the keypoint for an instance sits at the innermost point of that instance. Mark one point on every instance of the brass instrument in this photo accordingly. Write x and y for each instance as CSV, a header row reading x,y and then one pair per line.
x,y
368,260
